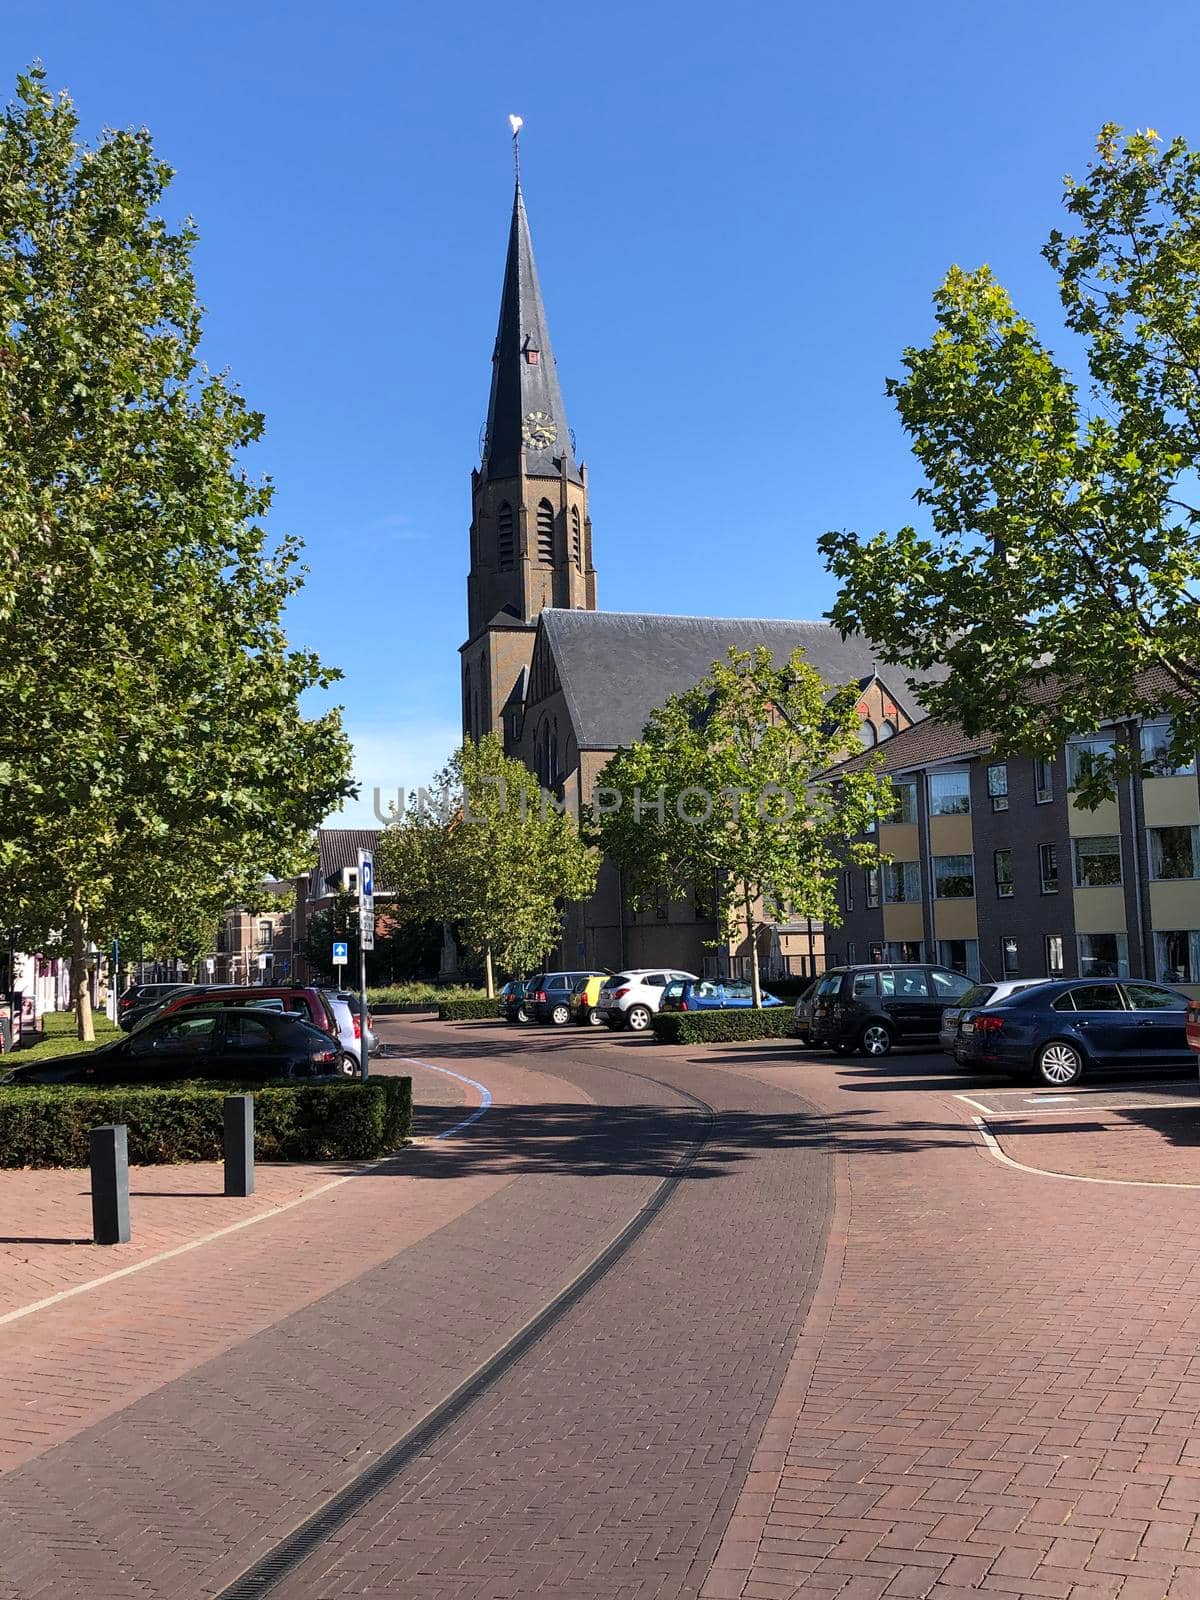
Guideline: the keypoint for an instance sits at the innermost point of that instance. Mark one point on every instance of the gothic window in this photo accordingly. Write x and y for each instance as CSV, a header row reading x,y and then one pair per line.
x,y
504,540
545,532
866,732
467,697
576,540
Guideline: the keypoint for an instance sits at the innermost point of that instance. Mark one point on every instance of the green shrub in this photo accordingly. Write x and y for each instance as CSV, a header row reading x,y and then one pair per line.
x,y
465,1010
48,1125
408,994
721,1027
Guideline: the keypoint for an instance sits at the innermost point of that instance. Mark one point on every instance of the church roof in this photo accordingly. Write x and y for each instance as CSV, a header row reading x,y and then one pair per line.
x,y
524,376
616,666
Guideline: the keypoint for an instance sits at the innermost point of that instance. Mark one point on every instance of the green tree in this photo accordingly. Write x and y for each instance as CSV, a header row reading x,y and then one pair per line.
x,y
154,760
489,854
723,790
1059,577
402,949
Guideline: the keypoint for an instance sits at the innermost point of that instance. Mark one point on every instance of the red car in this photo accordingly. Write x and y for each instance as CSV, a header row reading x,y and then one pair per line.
x,y
308,1003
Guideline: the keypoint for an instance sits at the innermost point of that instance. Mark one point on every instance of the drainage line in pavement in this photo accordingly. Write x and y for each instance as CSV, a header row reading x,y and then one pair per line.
x,y
305,1538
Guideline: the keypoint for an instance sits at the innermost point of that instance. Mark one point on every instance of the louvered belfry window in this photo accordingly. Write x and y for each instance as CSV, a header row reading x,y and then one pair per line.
x,y
504,528
576,540
545,532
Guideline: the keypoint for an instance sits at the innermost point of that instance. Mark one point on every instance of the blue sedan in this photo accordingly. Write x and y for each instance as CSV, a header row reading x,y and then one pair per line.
x,y
1058,1031
711,994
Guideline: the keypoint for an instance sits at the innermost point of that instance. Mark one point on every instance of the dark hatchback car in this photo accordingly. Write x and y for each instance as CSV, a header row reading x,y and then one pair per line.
x,y
510,1002
1059,1031
244,1046
872,1008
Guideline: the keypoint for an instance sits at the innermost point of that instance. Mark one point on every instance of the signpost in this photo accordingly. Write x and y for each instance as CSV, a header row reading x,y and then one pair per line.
x,y
366,941
341,954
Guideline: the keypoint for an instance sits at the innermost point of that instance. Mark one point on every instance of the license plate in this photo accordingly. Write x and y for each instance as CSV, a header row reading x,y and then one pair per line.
x,y
967,1027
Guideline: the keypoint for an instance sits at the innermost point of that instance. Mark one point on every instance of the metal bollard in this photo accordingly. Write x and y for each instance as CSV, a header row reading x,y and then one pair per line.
x,y
110,1184
239,1144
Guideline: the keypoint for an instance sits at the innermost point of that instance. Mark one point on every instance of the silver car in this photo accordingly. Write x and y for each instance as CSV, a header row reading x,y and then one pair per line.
x,y
345,1014
983,994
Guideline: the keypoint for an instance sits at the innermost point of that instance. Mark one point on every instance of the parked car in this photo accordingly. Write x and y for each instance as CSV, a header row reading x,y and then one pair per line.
x,y
872,1008
711,994
510,1002
303,1002
983,994
629,999
1058,1031
802,1015
241,1044
584,1009
349,1022
548,997
140,999
1193,1025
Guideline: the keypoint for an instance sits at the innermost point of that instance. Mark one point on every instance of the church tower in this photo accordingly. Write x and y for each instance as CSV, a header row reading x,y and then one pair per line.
x,y
531,536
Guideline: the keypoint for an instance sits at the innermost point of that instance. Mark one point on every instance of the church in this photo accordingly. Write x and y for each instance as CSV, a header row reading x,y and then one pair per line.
x,y
566,684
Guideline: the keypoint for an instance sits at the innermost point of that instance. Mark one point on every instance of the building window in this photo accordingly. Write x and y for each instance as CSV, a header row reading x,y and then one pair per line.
x,y
848,888
1002,867
1008,957
576,538
1178,956
265,935
886,729
1173,852
1043,781
1103,955
545,532
904,798
949,794
960,955
1085,756
953,877
901,882
1097,862
851,952
504,537
904,950
1054,955
866,732
1156,752
872,876
467,698
1048,862
997,782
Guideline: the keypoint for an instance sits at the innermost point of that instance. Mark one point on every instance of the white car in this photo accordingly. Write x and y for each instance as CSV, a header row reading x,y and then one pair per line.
x,y
630,999
965,1007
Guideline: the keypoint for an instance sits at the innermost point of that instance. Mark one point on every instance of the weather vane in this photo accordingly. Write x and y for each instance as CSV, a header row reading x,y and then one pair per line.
x,y
516,124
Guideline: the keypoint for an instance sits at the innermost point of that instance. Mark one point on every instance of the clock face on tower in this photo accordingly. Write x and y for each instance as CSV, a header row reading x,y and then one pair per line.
x,y
539,430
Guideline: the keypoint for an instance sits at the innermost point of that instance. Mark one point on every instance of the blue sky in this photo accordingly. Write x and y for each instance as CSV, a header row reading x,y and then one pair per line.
x,y
739,215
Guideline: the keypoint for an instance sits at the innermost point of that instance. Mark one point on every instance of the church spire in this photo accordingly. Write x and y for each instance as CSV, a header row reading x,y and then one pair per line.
x,y
526,409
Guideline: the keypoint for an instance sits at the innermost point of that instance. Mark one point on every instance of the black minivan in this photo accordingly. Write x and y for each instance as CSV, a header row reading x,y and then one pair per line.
x,y
875,1007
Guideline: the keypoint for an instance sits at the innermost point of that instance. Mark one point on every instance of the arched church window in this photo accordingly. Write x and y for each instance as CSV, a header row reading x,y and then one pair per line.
x,y
504,536
866,732
886,730
467,698
576,538
545,532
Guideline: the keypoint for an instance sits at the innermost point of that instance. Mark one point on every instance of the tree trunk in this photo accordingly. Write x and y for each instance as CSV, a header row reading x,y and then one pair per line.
x,y
752,935
81,999
490,972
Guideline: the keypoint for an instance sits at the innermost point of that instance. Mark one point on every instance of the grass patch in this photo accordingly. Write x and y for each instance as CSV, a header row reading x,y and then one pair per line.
x,y
58,1038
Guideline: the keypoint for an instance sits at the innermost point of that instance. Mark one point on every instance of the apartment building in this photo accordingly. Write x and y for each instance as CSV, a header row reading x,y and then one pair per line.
x,y
990,867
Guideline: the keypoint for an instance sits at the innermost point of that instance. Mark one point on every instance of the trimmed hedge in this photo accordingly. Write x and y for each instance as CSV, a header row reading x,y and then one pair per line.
x,y
48,1125
466,1010
721,1027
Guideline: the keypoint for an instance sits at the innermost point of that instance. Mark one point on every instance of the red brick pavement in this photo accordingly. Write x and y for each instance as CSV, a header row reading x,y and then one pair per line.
x,y
1137,1146
998,1389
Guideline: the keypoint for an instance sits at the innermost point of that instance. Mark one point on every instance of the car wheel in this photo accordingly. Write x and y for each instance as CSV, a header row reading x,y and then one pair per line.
x,y
523,1015
637,1018
560,1015
1058,1064
594,1018
349,1065
875,1039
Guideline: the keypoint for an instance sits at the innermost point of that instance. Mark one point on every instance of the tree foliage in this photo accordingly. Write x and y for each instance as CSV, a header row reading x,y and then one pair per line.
x,y
402,949
722,791
154,760
486,852
1060,576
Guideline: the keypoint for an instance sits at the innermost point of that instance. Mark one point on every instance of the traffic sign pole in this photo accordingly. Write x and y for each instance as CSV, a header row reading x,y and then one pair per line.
x,y
366,941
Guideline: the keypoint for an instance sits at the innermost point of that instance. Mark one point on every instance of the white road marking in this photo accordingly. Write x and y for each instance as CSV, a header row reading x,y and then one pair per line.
x,y
248,1222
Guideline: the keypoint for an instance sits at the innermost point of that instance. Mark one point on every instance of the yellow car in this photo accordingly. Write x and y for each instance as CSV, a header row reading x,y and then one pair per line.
x,y
583,1001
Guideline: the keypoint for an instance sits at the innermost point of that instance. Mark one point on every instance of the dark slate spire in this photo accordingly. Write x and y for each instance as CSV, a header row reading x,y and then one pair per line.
x,y
526,408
